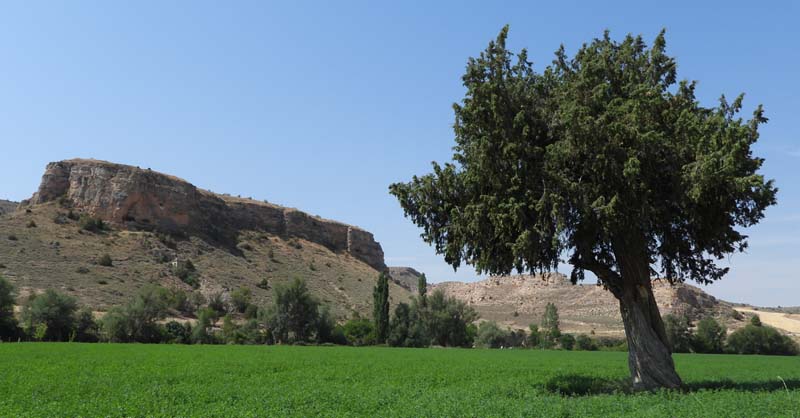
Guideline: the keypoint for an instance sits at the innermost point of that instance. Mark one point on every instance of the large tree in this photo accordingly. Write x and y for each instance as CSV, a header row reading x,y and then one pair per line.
x,y
604,160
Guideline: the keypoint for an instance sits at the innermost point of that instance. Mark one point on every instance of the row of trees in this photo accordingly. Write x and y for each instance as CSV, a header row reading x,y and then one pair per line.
x,y
711,337
296,317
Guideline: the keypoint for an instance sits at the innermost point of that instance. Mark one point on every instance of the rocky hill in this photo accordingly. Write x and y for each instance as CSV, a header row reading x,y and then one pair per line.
x,y
7,206
157,221
517,301
405,277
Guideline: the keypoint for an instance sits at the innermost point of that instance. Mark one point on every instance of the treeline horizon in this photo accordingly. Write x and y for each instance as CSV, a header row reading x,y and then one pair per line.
x,y
296,317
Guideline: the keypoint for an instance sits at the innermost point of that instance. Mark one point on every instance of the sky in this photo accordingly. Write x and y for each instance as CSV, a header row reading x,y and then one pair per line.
x,y
321,106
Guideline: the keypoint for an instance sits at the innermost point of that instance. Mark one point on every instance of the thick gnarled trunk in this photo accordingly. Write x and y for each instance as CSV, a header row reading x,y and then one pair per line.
x,y
649,354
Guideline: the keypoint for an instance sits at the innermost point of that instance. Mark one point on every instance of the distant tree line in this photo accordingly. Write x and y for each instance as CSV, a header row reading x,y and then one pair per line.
x,y
297,317
711,337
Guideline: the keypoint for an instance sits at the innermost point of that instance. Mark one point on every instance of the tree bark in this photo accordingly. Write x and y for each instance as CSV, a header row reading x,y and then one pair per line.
x,y
649,354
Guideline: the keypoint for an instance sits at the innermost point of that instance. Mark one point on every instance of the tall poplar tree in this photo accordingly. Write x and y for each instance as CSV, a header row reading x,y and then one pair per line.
x,y
380,313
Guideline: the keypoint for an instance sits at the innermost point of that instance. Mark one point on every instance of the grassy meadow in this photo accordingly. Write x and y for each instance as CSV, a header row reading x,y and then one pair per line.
x,y
41,379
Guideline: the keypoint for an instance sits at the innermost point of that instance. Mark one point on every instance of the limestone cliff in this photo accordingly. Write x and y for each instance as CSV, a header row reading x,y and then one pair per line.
x,y
143,199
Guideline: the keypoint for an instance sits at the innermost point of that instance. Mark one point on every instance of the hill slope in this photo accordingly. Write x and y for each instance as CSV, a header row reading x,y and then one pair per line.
x,y
7,206
156,220
517,301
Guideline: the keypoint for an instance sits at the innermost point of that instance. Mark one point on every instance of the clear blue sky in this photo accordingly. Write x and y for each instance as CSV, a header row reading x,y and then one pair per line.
x,y
321,106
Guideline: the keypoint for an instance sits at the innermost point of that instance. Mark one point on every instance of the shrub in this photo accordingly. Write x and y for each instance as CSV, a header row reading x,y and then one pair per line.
x,y
566,341
82,270
293,314
709,337
325,326
53,310
761,339
187,273
87,330
490,335
240,298
177,333
447,320
251,312
217,303
105,260
12,237
201,334
612,344
534,337
263,284
678,334
91,224
179,301
31,224
584,343
8,323
359,332
138,320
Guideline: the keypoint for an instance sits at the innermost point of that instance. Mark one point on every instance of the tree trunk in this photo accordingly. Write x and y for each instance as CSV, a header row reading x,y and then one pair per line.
x,y
649,353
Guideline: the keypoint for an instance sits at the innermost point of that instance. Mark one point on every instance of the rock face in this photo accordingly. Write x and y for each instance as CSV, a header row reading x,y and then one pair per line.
x,y
145,199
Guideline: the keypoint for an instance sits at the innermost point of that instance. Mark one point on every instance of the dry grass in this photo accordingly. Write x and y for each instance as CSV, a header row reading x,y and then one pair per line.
x,y
62,256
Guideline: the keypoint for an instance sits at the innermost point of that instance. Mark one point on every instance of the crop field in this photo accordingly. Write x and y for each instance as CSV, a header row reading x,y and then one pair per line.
x,y
223,381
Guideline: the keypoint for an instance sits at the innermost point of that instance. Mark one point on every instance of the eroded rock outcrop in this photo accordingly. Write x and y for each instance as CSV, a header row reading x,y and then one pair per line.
x,y
139,198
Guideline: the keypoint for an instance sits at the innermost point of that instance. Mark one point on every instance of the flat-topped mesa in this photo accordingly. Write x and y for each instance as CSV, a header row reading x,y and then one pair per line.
x,y
138,198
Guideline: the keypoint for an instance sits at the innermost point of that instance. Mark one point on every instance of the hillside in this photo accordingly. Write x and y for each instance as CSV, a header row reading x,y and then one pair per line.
x,y
517,301
7,206
156,220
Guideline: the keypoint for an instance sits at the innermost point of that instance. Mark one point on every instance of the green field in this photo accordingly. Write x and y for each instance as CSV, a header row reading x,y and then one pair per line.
x,y
174,380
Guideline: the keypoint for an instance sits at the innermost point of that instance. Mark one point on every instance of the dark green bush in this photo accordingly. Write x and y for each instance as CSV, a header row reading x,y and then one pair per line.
x,y
105,260
761,339
566,341
52,312
584,343
91,224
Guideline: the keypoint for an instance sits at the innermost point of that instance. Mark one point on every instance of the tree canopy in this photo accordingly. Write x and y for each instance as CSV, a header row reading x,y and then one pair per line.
x,y
598,153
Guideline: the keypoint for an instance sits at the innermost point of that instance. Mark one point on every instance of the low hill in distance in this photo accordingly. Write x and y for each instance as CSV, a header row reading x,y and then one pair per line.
x,y
7,206
519,300
158,222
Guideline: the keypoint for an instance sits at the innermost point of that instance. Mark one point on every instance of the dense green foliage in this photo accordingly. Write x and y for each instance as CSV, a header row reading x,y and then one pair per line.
x,y
359,332
756,338
603,154
294,313
137,321
241,298
605,158
8,322
167,381
709,336
50,315
678,333
380,305
550,326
